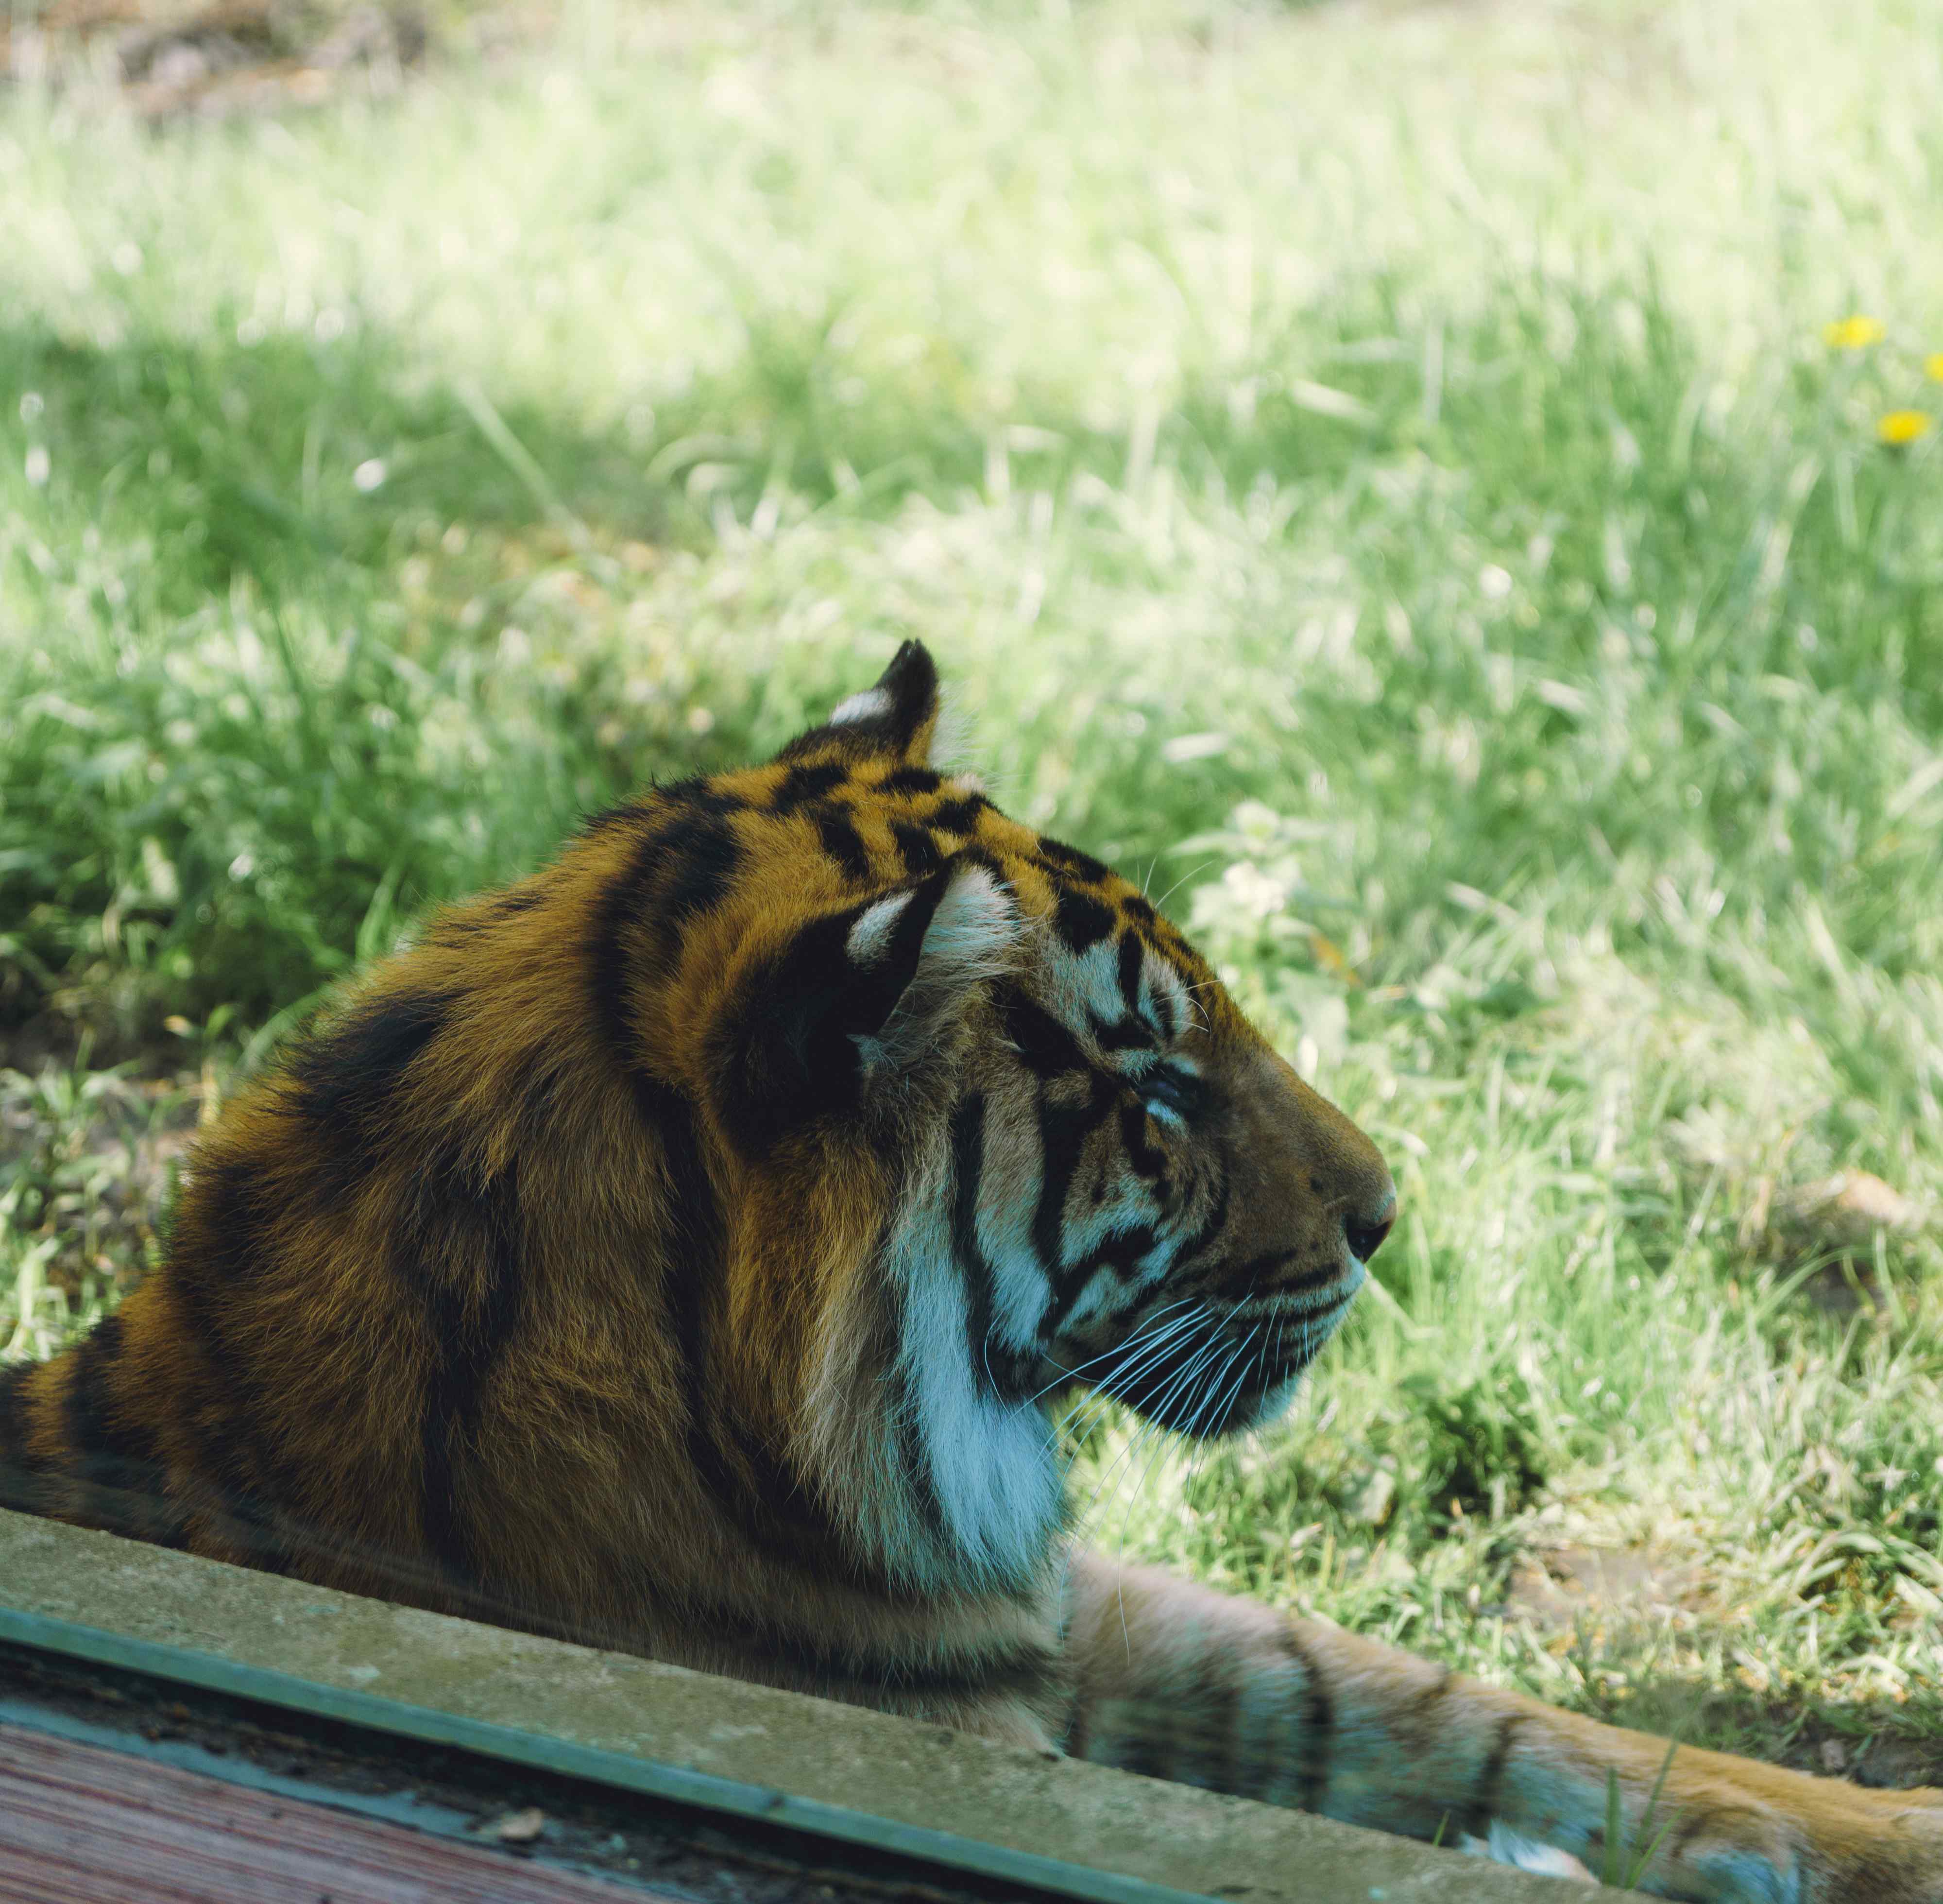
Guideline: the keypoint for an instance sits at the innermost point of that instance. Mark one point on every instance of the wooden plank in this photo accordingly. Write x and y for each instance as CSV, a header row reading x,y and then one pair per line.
x,y
81,1826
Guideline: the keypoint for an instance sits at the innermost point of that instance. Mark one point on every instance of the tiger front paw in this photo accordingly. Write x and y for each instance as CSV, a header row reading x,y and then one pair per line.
x,y
1860,1847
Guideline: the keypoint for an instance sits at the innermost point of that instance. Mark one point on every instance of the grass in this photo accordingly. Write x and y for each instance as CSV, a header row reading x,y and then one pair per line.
x,y
1375,471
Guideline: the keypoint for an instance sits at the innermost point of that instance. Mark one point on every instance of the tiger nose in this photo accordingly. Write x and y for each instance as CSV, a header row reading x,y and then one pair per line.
x,y
1365,1232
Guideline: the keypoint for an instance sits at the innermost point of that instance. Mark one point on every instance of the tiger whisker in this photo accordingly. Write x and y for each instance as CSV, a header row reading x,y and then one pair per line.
x,y
1066,1374
1168,1339
1148,1427
1103,1399
1189,1433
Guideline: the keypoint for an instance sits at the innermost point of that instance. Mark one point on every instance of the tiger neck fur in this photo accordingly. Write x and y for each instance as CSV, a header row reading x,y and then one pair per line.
x,y
947,1483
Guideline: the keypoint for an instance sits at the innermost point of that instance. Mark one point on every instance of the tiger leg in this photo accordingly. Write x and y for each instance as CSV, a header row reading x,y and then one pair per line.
x,y
1180,1682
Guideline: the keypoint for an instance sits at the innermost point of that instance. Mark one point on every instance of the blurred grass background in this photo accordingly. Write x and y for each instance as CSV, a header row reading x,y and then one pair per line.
x,y
1382,472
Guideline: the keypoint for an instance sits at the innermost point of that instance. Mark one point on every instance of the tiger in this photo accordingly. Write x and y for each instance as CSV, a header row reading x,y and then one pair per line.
x,y
685,1249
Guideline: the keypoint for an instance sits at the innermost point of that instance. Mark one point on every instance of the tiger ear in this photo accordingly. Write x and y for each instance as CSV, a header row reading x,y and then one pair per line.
x,y
858,996
895,719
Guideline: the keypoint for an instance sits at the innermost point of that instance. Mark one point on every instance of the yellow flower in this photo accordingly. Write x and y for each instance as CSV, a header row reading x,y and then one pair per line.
x,y
1856,333
1901,426
1934,365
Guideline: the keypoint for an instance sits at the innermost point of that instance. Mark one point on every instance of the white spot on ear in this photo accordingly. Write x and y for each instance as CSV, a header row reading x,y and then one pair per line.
x,y
872,705
872,932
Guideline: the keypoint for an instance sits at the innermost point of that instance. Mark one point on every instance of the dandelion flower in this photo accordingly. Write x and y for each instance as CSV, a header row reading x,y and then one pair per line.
x,y
1901,426
1934,365
1856,333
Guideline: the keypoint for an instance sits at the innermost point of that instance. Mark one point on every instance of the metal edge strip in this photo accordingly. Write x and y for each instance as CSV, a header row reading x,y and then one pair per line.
x,y
704,1790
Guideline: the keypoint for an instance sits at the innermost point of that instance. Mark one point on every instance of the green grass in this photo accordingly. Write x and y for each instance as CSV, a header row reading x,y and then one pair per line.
x,y
1376,471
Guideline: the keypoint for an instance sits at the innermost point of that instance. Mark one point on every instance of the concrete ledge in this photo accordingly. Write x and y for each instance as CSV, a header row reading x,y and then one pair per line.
x,y
801,1752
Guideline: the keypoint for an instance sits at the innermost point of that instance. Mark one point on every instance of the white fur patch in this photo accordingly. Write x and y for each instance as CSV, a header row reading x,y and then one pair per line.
x,y
872,705
972,933
951,1485
993,1473
872,932
1506,1846
972,936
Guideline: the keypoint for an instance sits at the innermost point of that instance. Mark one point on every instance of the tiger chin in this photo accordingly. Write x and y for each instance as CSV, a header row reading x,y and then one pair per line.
x,y
678,1250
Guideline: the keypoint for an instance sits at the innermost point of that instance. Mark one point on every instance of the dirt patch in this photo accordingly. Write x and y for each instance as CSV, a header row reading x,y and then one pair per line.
x,y
1557,1587
1615,1593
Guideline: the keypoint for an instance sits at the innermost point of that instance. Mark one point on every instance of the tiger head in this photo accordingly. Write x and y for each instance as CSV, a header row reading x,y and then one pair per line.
x,y
984,1126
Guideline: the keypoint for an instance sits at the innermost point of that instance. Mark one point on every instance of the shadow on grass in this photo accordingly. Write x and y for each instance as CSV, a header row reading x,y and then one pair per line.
x,y
1877,1742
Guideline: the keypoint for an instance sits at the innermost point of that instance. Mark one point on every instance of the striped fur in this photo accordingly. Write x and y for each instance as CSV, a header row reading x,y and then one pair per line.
x,y
677,1251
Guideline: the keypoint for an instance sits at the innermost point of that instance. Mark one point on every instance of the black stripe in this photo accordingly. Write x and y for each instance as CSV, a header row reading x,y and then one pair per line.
x,y
768,1502
1070,860
1147,1748
693,1249
918,849
1132,962
697,793
702,856
1047,1046
1063,1133
1135,907
111,1457
959,816
999,1370
1120,1034
22,1484
521,899
1121,1251
621,905
843,842
699,856
910,780
1239,1281
345,1078
459,1252
1081,920
803,784
1318,1722
1484,1798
